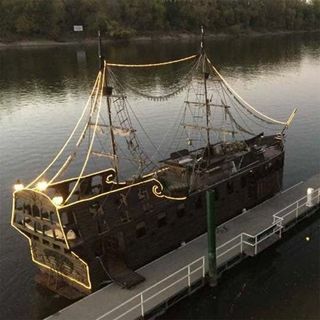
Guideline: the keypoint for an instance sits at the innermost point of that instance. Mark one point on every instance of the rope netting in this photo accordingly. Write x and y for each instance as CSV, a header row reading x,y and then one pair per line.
x,y
184,74
168,81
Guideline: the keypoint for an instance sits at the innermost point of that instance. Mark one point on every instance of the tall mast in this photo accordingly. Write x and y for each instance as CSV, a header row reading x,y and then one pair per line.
x,y
107,91
205,77
101,58
113,144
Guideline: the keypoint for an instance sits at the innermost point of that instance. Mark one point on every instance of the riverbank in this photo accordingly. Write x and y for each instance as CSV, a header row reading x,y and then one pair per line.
x,y
145,37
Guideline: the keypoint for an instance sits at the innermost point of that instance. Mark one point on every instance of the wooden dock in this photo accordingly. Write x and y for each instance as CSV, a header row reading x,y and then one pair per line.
x,y
182,271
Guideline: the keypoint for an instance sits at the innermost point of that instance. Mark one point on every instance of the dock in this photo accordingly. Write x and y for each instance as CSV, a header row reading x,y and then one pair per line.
x,y
182,271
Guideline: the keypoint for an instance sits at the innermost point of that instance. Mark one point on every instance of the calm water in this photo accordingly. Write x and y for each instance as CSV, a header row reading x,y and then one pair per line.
x,y
42,92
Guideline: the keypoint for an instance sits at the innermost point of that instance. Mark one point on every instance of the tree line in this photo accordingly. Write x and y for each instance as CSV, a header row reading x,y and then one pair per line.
x,y
54,19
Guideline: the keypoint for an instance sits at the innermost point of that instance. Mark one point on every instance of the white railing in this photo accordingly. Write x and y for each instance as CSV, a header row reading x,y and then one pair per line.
x,y
179,280
280,219
186,276
230,245
294,208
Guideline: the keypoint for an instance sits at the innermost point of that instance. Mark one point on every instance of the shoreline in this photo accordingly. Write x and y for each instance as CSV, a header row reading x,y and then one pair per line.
x,y
151,37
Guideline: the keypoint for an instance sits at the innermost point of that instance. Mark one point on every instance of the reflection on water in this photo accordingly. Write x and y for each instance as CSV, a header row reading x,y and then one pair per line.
x,y
43,90
281,283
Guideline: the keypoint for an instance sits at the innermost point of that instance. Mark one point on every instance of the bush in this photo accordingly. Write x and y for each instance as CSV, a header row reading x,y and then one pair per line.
x,y
235,29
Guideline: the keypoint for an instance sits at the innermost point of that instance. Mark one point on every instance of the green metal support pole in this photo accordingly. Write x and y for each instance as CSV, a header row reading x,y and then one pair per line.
x,y
211,226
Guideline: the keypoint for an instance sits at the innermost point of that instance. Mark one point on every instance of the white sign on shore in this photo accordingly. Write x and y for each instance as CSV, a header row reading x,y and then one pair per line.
x,y
77,28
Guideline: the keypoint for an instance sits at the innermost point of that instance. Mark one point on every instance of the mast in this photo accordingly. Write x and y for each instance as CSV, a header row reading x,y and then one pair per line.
x,y
205,77
113,144
101,58
107,91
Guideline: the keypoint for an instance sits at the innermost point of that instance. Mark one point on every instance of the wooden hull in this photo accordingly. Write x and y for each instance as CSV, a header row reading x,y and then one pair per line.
x,y
128,225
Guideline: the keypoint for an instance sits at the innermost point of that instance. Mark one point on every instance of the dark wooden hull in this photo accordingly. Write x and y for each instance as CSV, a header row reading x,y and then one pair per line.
x,y
128,225
186,220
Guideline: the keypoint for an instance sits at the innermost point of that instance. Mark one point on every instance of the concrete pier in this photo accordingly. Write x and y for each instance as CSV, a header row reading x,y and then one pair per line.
x,y
182,271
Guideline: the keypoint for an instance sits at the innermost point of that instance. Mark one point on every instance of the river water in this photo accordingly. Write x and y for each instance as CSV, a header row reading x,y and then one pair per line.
x,y
42,92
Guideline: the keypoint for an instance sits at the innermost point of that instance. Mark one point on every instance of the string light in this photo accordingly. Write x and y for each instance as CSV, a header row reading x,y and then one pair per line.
x,y
18,186
86,284
42,185
57,200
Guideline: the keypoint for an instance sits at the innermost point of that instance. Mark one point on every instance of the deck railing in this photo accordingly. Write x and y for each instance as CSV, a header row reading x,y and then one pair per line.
x,y
280,220
181,279
138,305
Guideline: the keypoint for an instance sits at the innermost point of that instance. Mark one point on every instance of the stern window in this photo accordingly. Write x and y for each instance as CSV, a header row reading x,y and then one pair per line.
x,y
56,247
19,204
53,217
35,211
45,215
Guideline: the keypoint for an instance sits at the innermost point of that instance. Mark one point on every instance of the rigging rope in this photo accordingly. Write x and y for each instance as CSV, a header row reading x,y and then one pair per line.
x,y
160,97
116,80
241,100
81,137
238,126
185,81
70,137
148,65
101,83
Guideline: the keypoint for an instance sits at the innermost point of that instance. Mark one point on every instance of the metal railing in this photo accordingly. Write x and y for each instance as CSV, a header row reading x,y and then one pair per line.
x,y
280,219
294,208
230,245
181,279
186,276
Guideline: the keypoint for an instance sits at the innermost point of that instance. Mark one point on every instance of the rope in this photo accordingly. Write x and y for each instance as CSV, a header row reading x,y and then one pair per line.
x,y
71,135
81,137
92,139
159,97
63,167
238,126
186,79
121,87
150,64
242,101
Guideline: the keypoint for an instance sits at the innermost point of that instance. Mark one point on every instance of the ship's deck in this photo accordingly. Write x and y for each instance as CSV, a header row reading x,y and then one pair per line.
x,y
252,222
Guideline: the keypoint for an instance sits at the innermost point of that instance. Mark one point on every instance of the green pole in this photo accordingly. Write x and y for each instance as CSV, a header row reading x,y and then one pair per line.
x,y
211,226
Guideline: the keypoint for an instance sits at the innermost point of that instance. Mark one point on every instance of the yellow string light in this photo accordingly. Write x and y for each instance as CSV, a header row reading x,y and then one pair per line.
x,y
85,285
92,139
148,65
124,188
68,140
69,159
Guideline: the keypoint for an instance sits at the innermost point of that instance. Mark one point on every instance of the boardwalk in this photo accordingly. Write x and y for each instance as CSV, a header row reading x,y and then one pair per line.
x,y
182,270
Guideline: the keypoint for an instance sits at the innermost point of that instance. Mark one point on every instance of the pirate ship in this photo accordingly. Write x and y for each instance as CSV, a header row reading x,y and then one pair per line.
x,y
95,227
